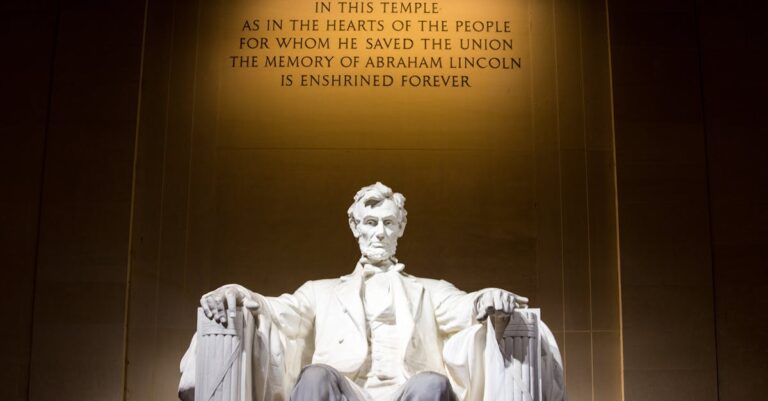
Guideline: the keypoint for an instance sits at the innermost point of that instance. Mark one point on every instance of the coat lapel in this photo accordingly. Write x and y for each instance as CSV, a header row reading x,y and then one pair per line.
x,y
413,293
348,292
408,299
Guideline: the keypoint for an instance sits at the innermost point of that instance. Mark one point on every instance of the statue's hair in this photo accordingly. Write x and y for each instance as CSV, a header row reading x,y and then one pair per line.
x,y
373,195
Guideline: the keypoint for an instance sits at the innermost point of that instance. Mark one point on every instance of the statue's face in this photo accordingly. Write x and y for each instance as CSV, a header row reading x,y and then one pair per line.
x,y
378,230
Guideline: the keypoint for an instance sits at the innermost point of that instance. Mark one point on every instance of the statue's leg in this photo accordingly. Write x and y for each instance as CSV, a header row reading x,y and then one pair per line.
x,y
320,382
427,386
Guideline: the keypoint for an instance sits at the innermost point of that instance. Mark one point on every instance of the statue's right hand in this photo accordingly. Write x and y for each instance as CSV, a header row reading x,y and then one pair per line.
x,y
221,304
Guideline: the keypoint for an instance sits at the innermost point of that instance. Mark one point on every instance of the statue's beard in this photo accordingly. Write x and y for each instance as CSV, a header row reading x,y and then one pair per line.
x,y
377,254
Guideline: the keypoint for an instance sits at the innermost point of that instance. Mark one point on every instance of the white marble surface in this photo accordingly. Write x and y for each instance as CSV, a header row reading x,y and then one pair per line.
x,y
325,321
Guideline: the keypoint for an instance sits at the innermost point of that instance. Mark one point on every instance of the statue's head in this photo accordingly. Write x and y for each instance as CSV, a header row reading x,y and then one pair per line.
x,y
377,219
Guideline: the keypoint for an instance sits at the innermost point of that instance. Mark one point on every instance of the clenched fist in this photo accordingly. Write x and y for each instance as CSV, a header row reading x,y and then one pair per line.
x,y
497,301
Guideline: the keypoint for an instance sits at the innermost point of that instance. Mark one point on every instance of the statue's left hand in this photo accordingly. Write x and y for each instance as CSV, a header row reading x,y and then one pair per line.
x,y
497,301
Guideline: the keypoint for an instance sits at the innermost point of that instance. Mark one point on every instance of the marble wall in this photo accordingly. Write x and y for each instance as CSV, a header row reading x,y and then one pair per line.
x,y
666,267
29,32
509,186
690,151
70,94
733,45
690,170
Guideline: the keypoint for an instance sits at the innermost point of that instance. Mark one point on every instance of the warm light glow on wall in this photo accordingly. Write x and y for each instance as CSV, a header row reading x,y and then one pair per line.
x,y
507,165
409,83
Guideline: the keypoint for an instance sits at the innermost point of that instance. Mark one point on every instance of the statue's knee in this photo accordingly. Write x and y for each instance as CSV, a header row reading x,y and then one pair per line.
x,y
317,383
315,376
432,383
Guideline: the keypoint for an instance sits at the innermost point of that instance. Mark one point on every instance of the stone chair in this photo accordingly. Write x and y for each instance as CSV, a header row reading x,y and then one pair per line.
x,y
221,358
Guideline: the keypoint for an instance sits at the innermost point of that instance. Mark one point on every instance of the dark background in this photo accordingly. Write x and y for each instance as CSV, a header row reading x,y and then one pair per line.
x,y
691,174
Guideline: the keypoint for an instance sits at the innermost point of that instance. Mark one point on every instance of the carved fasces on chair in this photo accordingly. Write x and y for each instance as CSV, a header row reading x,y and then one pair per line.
x,y
219,359
521,346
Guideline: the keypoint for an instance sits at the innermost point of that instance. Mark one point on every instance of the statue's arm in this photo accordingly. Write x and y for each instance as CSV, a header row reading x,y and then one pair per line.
x,y
293,314
456,310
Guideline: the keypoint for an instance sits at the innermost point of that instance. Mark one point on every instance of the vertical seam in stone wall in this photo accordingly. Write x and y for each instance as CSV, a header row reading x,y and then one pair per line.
x,y
699,51
532,100
215,135
129,250
615,194
43,164
192,138
559,176
163,190
586,193
164,175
